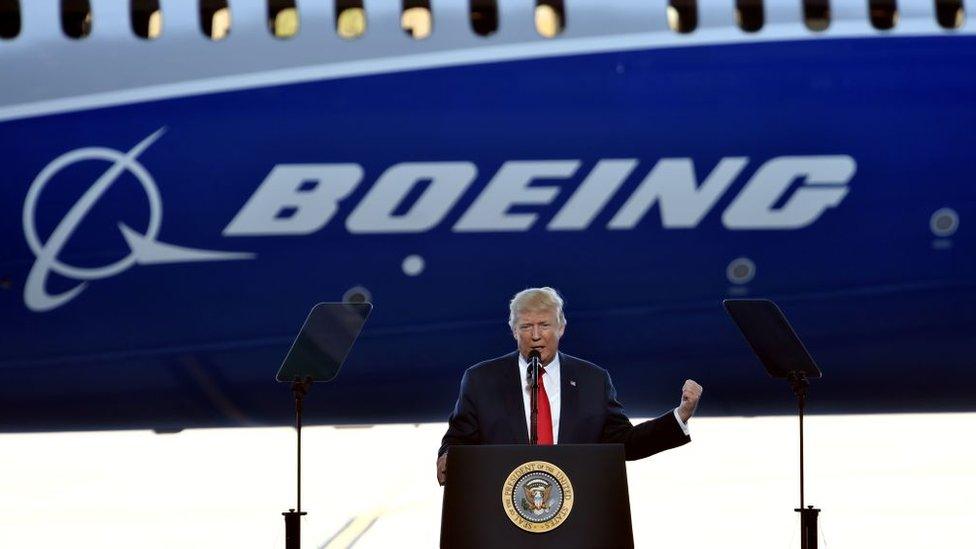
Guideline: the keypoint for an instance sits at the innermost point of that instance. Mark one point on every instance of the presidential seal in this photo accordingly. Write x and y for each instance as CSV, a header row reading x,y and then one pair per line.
x,y
537,496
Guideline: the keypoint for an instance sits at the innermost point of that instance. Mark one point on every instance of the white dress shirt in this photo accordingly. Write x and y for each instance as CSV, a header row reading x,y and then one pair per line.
x,y
550,377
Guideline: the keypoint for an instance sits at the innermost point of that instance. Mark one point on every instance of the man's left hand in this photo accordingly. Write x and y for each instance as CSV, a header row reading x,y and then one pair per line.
x,y
690,394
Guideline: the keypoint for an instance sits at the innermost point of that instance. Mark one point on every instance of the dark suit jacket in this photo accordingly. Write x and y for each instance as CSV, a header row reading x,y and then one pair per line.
x,y
490,410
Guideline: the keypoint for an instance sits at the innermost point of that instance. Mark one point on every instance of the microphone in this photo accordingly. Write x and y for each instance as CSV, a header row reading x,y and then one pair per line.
x,y
535,363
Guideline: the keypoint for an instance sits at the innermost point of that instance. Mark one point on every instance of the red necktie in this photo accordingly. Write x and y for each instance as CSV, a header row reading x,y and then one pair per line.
x,y
544,425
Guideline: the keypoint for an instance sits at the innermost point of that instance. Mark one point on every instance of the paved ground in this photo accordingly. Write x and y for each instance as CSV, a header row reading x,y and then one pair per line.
x,y
894,481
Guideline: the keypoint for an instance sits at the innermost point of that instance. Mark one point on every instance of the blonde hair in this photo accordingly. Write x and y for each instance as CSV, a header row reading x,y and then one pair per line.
x,y
536,299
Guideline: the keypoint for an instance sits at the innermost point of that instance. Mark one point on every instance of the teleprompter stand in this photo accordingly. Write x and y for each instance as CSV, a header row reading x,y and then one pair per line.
x,y
293,524
317,354
782,353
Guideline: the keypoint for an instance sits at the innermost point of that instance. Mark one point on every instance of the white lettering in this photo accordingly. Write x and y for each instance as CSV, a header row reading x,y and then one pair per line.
x,y
308,193
510,187
448,181
414,197
672,184
824,187
592,195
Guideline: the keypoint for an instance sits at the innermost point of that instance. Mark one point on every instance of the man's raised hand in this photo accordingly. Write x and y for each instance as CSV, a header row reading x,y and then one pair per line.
x,y
690,394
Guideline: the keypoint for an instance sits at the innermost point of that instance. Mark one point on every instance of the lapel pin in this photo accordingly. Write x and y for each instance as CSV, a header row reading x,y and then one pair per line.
x,y
572,382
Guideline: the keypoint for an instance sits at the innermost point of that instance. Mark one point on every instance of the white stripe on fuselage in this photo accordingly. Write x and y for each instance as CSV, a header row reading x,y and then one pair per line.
x,y
461,57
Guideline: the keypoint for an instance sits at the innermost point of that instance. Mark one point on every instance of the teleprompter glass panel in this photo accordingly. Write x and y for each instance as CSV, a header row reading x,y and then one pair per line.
x,y
771,337
324,342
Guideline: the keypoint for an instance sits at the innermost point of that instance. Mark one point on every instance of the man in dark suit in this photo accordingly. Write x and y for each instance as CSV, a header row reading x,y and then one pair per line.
x,y
577,403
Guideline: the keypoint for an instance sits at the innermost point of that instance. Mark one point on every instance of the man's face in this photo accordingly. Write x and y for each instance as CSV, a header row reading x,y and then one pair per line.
x,y
538,331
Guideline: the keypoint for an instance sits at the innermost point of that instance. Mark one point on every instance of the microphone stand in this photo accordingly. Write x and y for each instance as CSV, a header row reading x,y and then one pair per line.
x,y
534,400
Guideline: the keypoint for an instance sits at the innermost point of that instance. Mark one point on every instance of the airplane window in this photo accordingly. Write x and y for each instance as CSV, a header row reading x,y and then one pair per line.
x,y
884,14
683,15
76,18
283,21
350,18
749,14
950,13
9,19
416,19
550,17
215,19
484,16
147,19
816,14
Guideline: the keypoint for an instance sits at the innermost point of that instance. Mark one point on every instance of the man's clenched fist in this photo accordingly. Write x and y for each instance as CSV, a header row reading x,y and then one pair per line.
x,y
690,394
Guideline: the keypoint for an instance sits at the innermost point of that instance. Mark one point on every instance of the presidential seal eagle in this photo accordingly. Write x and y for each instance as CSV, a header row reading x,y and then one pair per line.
x,y
538,497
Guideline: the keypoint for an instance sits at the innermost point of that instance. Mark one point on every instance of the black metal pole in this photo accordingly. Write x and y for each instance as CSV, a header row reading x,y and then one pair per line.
x,y
299,389
801,397
293,529
808,527
808,515
293,524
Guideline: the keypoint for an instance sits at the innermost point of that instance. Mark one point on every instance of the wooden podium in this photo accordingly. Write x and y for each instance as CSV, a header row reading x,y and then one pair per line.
x,y
567,496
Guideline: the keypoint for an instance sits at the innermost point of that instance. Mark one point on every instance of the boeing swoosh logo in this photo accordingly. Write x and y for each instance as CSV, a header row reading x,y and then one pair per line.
x,y
144,249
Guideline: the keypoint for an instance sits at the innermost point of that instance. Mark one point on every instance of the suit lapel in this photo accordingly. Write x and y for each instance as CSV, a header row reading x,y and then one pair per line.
x,y
568,397
514,405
